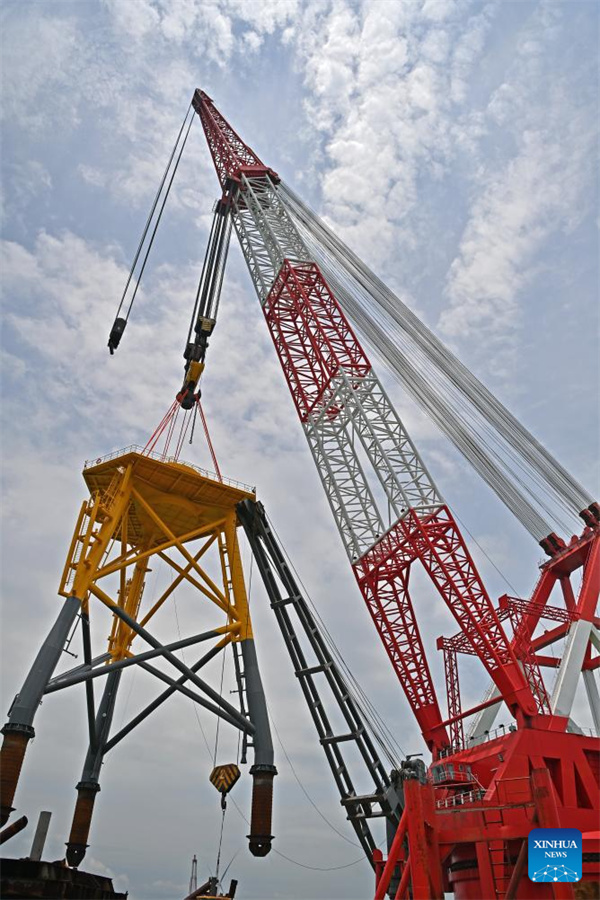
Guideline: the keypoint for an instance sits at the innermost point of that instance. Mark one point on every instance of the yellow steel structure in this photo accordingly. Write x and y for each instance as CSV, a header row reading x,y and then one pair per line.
x,y
139,508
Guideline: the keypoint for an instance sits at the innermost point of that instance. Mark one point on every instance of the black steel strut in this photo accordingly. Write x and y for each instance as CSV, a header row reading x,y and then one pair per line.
x,y
206,305
325,689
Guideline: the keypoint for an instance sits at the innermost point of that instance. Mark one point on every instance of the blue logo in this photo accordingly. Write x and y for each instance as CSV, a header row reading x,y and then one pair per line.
x,y
554,854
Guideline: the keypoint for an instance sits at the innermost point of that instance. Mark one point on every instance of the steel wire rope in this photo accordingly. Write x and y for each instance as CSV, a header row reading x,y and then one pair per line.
x,y
570,490
152,210
386,747
285,753
187,418
439,406
553,478
303,789
223,811
202,273
158,218
476,448
486,554
305,865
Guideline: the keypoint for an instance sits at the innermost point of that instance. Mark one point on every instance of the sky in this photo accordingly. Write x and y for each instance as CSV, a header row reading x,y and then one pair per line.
x,y
454,145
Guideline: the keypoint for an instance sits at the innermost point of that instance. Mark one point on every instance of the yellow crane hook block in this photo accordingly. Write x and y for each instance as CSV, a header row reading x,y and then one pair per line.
x,y
224,777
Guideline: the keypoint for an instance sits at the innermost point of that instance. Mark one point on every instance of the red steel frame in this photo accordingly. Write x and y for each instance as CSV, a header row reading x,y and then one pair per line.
x,y
472,841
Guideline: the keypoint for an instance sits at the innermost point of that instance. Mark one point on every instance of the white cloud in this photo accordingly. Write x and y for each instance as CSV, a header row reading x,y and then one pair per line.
x,y
384,83
31,81
518,204
403,113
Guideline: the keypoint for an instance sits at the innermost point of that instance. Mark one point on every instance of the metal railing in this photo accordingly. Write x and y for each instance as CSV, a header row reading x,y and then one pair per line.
x,y
476,740
461,799
136,448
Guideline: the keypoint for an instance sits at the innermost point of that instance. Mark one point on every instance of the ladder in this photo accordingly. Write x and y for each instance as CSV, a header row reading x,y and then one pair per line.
x,y
325,689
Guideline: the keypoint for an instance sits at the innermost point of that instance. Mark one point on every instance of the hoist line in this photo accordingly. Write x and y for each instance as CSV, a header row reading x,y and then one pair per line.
x,y
456,425
224,810
391,748
303,789
477,450
452,415
296,862
207,290
430,344
158,218
152,210
448,422
208,440
372,290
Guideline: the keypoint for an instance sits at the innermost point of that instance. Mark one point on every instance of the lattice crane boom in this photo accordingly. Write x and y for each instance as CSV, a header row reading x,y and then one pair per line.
x,y
387,508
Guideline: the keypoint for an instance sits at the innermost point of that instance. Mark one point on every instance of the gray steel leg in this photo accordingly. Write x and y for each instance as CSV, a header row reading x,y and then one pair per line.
x,y
570,668
257,706
26,703
263,771
19,728
88,787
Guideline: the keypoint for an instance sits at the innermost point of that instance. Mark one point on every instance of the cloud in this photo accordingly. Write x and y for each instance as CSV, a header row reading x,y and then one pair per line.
x,y
27,76
525,198
384,83
411,126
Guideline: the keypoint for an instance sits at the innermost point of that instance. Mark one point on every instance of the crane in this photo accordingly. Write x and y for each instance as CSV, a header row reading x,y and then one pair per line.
x,y
391,515
459,824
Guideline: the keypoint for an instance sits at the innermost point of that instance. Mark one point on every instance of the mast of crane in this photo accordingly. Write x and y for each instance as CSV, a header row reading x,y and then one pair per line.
x,y
388,511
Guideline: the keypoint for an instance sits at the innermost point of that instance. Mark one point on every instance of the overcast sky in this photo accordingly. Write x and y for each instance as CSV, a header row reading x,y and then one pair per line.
x,y
454,145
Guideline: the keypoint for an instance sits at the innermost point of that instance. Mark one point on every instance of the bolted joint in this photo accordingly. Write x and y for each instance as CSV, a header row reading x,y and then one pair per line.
x,y
88,786
260,837
17,728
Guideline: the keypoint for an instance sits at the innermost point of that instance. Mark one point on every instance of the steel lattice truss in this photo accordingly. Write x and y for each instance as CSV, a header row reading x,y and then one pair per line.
x,y
388,510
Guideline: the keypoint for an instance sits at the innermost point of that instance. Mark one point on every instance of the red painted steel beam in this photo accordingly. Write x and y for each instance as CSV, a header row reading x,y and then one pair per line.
x,y
587,601
230,154
549,637
471,712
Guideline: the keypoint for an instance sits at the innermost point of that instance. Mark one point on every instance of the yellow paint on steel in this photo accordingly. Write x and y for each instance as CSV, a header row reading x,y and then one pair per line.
x,y
224,777
182,497
140,508
106,513
236,577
